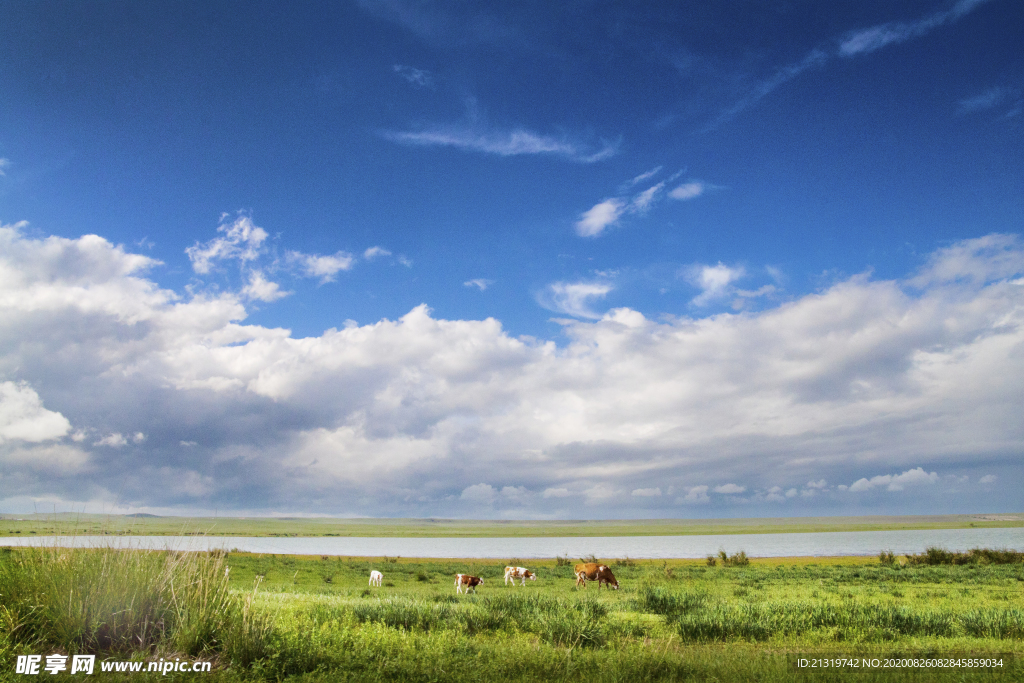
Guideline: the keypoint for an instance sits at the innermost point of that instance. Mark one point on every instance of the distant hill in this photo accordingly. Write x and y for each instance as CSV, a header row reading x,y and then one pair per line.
x,y
141,514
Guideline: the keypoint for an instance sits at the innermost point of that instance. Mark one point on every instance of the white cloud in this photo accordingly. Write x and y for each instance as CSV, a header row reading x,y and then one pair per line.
x,y
730,489
4,163
323,267
480,283
988,479
646,493
695,496
374,252
876,37
402,417
646,175
820,484
418,77
987,100
259,288
514,142
573,298
479,493
895,482
643,201
595,220
242,240
23,417
407,262
690,190
115,440
715,282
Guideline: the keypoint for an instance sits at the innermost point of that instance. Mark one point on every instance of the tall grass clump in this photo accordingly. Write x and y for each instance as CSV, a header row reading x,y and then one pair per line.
x,y
113,600
938,556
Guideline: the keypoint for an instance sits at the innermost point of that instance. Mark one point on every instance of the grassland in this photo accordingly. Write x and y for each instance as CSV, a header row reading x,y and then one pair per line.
x,y
73,523
316,619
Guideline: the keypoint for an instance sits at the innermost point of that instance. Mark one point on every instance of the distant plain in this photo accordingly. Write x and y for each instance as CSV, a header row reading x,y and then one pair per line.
x,y
66,523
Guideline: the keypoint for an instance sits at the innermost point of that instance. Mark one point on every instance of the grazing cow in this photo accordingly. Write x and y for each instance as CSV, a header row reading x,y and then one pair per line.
x,y
522,573
467,581
375,578
591,571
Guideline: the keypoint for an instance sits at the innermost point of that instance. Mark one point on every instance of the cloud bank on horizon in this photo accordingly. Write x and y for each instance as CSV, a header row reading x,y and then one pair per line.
x,y
692,260
867,392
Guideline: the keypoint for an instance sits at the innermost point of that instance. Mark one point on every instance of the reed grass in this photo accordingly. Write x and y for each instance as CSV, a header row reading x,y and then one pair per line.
x,y
110,600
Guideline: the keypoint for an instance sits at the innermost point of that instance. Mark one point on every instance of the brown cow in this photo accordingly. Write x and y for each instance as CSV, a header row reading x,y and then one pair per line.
x,y
592,571
467,581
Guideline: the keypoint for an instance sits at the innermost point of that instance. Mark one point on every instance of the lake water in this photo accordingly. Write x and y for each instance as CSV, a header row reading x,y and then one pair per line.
x,y
655,547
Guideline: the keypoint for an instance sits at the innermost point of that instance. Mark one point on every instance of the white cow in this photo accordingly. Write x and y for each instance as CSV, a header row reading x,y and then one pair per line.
x,y
375,578
514,573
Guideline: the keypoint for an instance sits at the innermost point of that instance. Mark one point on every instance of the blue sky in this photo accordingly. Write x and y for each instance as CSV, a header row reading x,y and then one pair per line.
x,y
581,260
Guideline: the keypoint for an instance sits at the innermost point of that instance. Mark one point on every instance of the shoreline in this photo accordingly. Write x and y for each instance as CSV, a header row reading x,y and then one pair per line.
x,y
68,524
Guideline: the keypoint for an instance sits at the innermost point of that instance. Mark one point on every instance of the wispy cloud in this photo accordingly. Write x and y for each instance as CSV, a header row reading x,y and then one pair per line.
x,y
375,252
686,191
573,298
323,267
715,282
876,37
595,220
991,99
514,142
480,283
851,44
418,77
4,163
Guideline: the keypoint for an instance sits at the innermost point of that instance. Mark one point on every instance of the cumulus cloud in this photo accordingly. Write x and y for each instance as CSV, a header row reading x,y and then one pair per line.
x,y
422,416
325,267
259,288
23,417
715,282
988,479
895,482
573,298
241,240
647,493
696,495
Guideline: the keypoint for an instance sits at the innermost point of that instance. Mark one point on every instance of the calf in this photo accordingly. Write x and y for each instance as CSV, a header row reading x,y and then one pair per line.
x,y
467,581
592,571
375,578
522,573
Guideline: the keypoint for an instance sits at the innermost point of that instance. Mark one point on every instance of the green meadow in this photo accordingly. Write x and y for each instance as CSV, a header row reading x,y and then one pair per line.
x,y
301,618
148,525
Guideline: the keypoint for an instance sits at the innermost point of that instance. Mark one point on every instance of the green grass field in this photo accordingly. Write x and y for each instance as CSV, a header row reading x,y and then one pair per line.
x,y
316,619
73,523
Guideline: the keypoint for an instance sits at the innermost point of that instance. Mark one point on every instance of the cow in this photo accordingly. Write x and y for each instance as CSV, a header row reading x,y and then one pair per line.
x,y
375,578
513,573
592,571
467,581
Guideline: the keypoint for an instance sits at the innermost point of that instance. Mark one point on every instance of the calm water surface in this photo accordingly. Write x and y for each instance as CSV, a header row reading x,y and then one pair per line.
x,y
656,547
